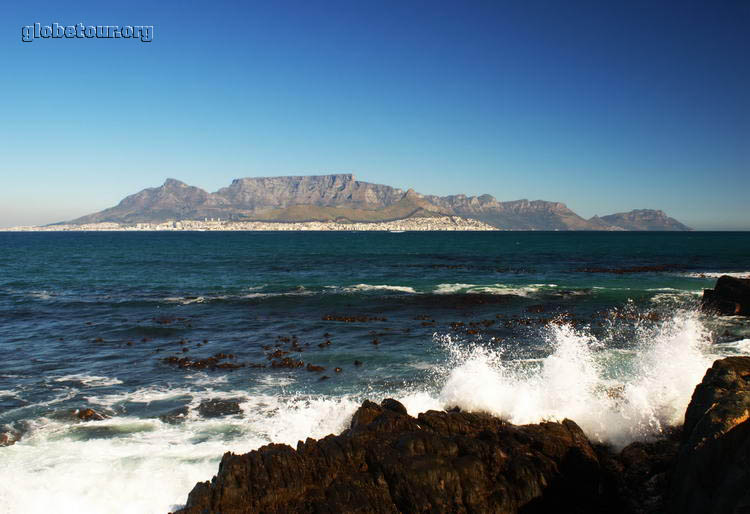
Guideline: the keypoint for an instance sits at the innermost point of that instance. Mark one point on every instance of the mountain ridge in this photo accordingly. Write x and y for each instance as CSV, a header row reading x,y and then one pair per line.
x,y
340,197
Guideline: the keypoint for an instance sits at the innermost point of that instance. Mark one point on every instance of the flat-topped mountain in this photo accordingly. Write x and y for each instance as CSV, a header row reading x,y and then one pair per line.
x,y
341,197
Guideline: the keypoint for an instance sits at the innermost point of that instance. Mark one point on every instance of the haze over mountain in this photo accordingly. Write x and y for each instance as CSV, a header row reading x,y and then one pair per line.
x,y
340,197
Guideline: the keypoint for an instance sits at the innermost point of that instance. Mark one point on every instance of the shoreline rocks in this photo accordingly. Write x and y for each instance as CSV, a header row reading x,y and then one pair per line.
x,y
388,461
730,296
216,408
712,470
453,461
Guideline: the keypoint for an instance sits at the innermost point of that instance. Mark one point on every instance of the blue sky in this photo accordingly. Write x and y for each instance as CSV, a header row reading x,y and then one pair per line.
x,y
606,106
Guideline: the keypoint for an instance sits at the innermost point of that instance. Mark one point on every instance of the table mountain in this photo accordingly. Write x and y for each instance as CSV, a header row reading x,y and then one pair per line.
x,y
341,197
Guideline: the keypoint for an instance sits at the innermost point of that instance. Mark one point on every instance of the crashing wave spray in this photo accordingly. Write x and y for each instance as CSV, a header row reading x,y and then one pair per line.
x,y
615,395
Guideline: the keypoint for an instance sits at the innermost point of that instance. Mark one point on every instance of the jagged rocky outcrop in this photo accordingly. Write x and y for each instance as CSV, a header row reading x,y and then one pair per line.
x,y
712,471
518,214
389,462
642,219
730,296
340,197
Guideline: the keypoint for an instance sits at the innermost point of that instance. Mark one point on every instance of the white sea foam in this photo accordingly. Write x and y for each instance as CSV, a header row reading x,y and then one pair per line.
x,y
206,379
741,347
185,300
89,380
674,296
614,396
141,395
421,365
275,380
72,469
41,295
452,288
717,274
383,287
501,289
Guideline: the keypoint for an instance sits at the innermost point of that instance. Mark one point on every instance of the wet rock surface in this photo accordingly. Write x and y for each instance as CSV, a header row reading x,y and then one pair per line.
x,y
175,416
388,461
712,471
88,414
730,296
636,479
9,437
217,408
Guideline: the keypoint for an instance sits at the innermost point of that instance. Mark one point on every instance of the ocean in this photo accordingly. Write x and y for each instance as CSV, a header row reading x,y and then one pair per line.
x,y
147,328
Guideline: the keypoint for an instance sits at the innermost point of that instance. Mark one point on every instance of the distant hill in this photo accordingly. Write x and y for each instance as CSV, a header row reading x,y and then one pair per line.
x,y
343,198
644,219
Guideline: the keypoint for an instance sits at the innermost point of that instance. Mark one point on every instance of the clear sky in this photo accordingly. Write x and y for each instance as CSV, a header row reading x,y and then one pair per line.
x,y
606,106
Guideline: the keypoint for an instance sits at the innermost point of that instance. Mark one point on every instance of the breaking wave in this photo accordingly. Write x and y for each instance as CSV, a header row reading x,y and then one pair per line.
x,y
615,395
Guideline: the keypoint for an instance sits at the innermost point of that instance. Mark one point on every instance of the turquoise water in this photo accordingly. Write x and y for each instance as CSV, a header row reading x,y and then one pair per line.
x,y
528,326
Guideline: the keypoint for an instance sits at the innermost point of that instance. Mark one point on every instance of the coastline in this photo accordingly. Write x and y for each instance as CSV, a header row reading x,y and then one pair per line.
x,y
151,333
438,223
387,461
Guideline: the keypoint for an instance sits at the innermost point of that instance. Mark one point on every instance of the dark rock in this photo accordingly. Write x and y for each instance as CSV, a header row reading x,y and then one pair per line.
x,y
175,416
638,477
9,437
730,296
712,471
88,415
217,361
313,367
393,405
287,362
390,462
218,408
277,354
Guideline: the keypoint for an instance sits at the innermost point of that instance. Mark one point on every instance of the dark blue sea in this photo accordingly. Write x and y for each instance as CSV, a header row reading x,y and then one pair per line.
x,y
292,331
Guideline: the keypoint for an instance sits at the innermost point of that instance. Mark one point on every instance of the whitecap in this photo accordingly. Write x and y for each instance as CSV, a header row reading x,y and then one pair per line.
x,y
383,287
89,380
717,274
499,289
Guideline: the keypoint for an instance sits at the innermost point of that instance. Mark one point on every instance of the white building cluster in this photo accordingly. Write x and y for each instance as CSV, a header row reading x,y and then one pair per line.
x,y
438,223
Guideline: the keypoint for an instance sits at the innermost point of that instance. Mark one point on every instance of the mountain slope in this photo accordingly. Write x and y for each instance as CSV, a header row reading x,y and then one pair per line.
x,y
303,198
517,215
644,219
172,200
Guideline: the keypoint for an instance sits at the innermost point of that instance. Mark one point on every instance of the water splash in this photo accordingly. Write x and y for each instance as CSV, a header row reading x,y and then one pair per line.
x,y
615,395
